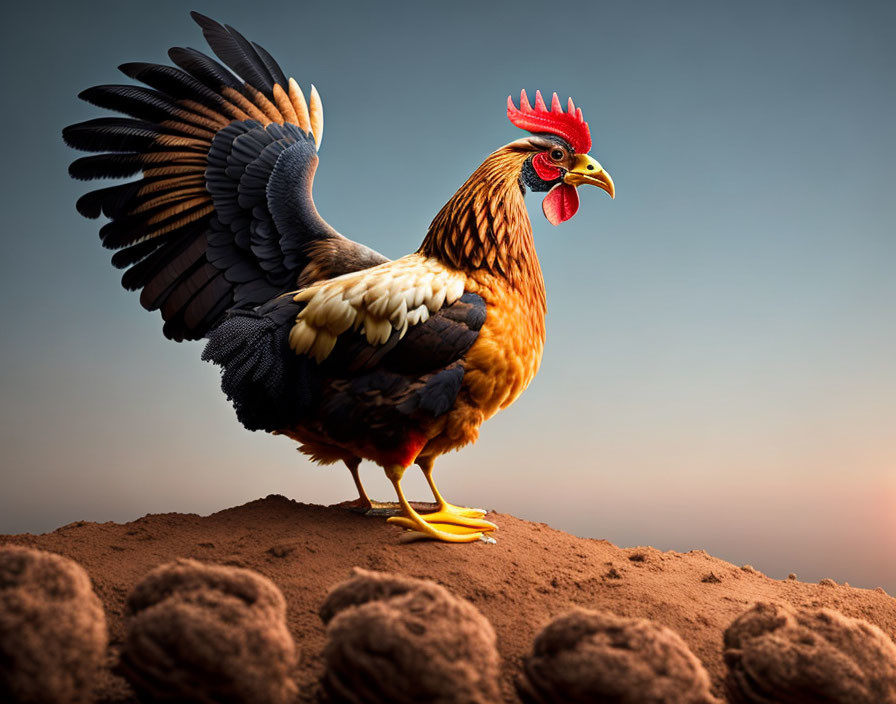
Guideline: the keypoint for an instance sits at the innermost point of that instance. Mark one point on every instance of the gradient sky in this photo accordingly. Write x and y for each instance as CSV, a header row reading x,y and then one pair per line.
x,y
719,370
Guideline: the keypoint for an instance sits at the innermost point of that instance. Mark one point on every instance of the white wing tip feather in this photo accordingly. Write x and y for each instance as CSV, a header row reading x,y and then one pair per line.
x,y
316,110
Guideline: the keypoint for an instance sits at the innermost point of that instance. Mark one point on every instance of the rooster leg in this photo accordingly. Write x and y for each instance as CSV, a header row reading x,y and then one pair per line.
x,y
420,527
363,501
449,513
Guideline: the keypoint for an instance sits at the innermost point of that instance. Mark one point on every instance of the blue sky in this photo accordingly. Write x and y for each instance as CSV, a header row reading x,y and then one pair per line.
x,y
719,367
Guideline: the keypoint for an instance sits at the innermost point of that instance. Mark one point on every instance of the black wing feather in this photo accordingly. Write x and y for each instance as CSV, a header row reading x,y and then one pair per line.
x,y
110,201
233,49
271,64
171,81
254,63
136,101
204,68
118,134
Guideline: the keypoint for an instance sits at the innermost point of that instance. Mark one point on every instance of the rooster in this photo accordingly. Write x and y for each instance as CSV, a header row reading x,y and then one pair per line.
x,y
320,338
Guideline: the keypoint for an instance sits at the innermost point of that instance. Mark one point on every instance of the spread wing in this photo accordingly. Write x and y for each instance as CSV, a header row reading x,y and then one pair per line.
x,y
221,215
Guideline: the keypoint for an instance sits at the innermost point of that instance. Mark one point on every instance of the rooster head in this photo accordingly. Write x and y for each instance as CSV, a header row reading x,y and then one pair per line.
x,y
560,162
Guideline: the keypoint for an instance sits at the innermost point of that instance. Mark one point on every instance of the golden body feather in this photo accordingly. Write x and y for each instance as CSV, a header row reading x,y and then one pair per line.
x,y
480,242
500,364
485,230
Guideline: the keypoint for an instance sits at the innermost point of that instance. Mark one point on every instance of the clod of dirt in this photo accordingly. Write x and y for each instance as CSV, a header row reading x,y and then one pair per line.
x,y
208,633
613,573
53,633
587,656
777,654
396,639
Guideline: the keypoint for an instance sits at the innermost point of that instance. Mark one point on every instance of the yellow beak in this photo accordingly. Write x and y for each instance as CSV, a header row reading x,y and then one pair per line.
x,y
587,170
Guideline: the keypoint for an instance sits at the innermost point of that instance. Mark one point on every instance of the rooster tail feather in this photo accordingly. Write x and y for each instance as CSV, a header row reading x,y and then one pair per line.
x,y
269,389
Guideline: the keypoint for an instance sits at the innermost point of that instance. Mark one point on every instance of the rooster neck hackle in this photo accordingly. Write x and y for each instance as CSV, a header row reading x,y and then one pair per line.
x,y
484,227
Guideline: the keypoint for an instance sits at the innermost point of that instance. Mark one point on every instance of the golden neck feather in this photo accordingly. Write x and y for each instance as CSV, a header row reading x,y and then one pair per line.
x,y
485,225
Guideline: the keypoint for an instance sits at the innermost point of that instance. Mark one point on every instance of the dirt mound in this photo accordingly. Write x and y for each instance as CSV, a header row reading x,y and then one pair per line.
x,y
52,629
589,656
199,632
808,655
395,640
532,575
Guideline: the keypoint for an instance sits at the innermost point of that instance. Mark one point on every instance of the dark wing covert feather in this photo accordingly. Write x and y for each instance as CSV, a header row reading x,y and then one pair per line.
x,y
360,390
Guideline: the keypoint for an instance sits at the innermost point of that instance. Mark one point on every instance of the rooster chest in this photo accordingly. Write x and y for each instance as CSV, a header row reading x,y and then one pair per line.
x,y
507,353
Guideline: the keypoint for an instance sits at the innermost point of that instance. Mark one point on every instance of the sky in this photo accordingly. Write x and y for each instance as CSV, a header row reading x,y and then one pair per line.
x,y
719,370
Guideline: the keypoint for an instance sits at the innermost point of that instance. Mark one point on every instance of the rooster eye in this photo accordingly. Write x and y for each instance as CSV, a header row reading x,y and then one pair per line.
x,y
556,155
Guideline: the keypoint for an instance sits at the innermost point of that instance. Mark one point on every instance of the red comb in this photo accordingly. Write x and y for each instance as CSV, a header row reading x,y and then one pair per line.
x,y
569,125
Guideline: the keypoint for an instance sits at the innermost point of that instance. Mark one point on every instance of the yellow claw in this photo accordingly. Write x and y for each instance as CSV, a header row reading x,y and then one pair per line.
x,y
445,532
462,511
446,524
412,536
459,518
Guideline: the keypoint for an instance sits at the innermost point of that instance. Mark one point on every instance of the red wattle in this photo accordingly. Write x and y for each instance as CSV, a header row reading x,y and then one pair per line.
x,y
561,203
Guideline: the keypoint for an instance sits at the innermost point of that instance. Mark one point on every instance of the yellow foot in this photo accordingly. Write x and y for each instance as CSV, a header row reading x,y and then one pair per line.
x,y
421,529
444,524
